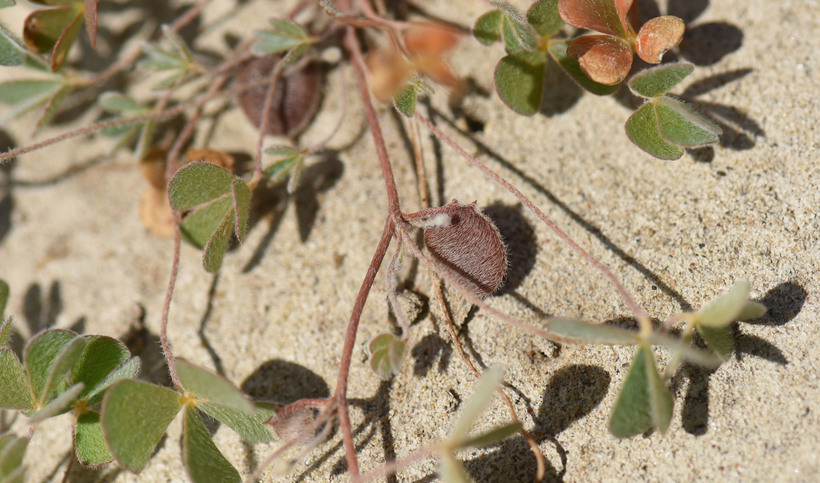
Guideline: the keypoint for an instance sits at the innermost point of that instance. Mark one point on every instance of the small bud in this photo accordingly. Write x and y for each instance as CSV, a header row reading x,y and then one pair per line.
x,y
466,244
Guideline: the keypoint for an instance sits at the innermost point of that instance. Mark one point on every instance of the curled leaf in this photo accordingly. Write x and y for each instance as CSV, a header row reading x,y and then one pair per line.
x,y
657,36
642,129
386,354
603,58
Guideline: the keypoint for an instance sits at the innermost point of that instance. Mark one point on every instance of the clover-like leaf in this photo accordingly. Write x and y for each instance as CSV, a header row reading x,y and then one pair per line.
x,y
405,100
644,401
251,428
53,30
288,159
134,417
206,386
12,451
217,203
656,81
89,441
57,405
719,339
203,460
605,16
16,393
12,50
558,51
725,308
48,357
25,95
682,126
583,332
642,129
657,36
519,80
386,354
101,357
691,354
7,3
487,28
603,58
751,310
544,17
285,35
517,33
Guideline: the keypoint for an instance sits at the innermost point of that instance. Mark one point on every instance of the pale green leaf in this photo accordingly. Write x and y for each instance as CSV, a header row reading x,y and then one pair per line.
x,y
206,386
25,95
642,129
117,103
16,393
558,51
490,437
517,35
582,332
656,81
48,357
198,183
251,428
101,356
478,401
12,451
159,59
386,354
487,28
203,460
719,339
12,50
405,100
519,80
660,399
451,470
134,417
691,354
278,170
52,106
726,308
178,46
7,3
89,441
57,405
284,36
127,370
680,125
544,17
751,310
633,411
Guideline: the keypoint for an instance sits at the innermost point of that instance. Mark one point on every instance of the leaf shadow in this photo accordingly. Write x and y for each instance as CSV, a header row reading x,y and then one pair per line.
x,y
272,201
519,237
572,393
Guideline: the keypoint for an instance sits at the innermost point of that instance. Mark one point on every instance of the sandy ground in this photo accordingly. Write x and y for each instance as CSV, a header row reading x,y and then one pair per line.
x,y
677,233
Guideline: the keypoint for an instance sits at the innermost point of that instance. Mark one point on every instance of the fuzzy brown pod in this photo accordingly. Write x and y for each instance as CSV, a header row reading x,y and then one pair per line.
x,y
295,98
466,244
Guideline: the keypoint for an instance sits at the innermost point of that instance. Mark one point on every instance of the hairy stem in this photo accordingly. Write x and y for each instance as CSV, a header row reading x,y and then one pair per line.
x,y
347,350
166,308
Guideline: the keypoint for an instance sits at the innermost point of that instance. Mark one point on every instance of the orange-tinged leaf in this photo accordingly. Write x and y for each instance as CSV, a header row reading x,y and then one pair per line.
x,y
605,16
657,36
430,40
91,21
603,58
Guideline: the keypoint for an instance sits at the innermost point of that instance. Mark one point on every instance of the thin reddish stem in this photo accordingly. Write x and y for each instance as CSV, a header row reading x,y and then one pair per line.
x,y
347,350
166,308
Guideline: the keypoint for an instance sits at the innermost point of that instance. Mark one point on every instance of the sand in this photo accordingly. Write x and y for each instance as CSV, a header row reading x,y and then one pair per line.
x,y
677,233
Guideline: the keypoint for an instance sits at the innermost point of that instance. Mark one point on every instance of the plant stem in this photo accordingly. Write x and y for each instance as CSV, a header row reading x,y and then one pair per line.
x,y
347,350
166,308
393,466
352,45
636,309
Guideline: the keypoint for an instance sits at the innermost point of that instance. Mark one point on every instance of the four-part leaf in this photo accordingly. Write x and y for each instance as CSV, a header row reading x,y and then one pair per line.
x,y
216,204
